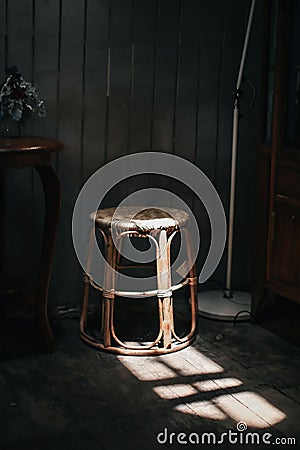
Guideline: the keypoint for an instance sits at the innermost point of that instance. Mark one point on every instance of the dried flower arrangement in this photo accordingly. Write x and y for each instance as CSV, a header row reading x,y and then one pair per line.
x,y
19,98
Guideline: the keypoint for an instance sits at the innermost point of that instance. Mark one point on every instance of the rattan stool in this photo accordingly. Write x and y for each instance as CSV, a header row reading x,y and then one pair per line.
x,y
159,226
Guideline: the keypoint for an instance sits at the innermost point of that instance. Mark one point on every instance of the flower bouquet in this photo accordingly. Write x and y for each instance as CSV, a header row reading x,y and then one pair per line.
x,y
18,99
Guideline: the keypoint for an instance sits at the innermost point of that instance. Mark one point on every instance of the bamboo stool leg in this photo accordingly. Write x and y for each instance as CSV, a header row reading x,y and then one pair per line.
x,y
108,294
193,282
166,340
164,285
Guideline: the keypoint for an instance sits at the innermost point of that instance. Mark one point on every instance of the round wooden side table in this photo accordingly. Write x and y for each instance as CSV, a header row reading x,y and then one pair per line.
x,y
18,153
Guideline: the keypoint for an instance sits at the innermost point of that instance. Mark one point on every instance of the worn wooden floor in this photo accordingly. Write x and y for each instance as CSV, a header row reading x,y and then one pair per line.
x,y
79,398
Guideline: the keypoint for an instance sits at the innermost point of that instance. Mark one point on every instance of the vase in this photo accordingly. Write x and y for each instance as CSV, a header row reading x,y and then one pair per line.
x,y
10,128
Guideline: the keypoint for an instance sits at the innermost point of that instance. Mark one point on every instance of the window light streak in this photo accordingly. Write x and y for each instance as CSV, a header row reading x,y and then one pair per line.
x,y
215,384
244,406
205,409
247,407
147,369
251,408
175,391
191,362
182,390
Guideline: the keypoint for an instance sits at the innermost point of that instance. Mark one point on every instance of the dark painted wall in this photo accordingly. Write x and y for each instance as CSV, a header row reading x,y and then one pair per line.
x,y
121,76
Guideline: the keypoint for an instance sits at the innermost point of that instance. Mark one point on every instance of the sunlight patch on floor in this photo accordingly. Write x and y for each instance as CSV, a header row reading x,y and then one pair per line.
x,y
188,367
175,391
146,369
182,390
191,362
205,409
250,407
247,407
215,384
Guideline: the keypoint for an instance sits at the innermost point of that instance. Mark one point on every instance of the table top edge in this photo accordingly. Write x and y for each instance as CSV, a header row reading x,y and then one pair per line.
x,y
29,144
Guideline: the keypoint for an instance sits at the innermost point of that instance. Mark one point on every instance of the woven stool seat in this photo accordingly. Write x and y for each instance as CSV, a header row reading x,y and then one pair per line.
x,y
160,225
140,220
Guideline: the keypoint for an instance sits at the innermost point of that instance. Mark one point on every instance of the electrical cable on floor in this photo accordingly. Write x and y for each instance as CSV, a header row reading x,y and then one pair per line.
x,y
240,312
66,312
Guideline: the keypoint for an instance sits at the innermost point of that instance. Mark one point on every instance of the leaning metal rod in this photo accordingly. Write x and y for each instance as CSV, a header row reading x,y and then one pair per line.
x,y
228,292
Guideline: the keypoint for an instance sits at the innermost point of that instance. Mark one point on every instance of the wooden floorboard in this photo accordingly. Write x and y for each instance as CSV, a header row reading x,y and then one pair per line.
x,y
79,398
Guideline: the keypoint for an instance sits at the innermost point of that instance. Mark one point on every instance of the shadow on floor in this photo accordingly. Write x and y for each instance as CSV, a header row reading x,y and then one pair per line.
x,y
281,316
79,398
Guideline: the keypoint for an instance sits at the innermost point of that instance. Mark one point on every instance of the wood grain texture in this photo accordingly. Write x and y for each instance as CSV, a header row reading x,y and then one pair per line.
x,y
66,270
80,397
44,49
143,77
119,77
3,33
210,67
19,183
245,187
280,199
187,80
94,91
164,102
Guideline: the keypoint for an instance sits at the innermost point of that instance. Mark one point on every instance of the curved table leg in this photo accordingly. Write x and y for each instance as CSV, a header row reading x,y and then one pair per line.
x,y
52,194
2,221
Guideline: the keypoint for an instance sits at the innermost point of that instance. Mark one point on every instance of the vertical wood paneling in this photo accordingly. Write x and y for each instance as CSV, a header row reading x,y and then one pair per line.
x,y
233,37
144,64
95,71
231,54
45,77
167,50
58,66
207,114
120,87
132,67
186,88
67,271
122,76
186,108
6,32
209,79
19,183
245,187
45,62
3,37
166,75
20,36
143,83
177,73
3,53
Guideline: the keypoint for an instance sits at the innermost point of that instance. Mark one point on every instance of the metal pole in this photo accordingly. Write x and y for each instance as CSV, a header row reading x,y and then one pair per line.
x,y
228,292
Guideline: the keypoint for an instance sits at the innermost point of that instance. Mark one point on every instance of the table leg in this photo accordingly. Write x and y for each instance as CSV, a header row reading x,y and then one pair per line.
x,y
2,231
52,194
3,219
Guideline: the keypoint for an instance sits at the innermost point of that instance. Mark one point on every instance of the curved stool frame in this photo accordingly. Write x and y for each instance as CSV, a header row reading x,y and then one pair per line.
x,y
167,340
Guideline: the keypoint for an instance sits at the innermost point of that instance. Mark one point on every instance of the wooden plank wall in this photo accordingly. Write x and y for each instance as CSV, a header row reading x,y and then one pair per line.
x,y
122,76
